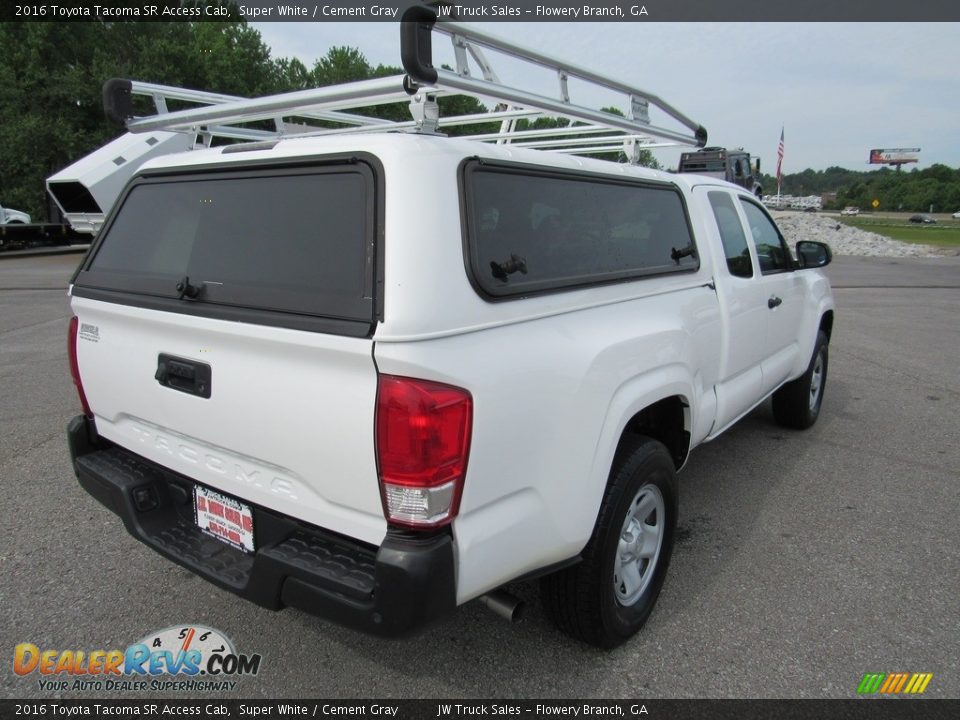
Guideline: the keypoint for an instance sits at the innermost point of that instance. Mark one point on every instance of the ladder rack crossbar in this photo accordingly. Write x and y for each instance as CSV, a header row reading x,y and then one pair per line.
x,y
169,92
588,130
363,93
481,89
583,142
543,133
561,66
402,125
603,149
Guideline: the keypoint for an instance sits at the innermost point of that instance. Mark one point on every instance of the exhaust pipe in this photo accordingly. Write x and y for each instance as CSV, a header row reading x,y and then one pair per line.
x,y
502,603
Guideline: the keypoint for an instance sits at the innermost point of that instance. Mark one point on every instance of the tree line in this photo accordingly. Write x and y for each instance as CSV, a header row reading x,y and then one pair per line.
x,y
937,186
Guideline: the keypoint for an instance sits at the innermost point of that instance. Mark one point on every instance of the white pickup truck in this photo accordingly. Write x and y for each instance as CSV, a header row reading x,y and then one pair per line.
x,y
431,365
384,412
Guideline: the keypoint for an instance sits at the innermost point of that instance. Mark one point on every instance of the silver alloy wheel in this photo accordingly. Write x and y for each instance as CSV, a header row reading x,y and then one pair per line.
x,y
641,538
816,382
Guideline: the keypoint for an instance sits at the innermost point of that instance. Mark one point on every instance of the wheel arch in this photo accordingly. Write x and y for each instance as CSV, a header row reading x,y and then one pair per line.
x,y
666,420
660,405
826,323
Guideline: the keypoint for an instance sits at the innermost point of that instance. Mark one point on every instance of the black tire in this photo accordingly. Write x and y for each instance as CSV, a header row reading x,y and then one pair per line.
x,y
582,600
797,404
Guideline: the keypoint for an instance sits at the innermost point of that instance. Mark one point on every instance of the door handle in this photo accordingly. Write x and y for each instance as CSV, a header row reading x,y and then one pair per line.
x,y
184,375
773,302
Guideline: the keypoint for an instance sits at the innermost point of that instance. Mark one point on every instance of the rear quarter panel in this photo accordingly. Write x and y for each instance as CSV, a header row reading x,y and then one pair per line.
x,y
555,378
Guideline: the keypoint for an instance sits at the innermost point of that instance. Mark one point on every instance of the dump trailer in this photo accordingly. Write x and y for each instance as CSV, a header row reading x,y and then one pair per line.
x,y
18,231
86,190
83,192
19,236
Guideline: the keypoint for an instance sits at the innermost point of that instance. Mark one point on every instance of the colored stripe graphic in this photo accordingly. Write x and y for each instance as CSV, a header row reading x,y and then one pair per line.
x,y
894,683
900,683
912,684
889,682
870,683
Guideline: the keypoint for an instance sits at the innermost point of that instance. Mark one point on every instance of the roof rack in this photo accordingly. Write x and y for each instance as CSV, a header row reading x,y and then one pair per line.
x,y
333,109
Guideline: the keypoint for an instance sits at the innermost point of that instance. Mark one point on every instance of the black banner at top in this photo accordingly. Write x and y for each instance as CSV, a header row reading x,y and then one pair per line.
x,y
486,10
591,709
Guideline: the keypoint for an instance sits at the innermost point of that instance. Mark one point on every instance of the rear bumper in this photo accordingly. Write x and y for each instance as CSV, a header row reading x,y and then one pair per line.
x,y
406,582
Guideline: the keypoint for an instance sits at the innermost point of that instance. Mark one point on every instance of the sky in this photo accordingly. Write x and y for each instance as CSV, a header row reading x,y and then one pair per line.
x,y
836,89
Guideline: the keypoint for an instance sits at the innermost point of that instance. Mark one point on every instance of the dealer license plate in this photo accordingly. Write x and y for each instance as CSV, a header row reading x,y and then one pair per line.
x,y
226,519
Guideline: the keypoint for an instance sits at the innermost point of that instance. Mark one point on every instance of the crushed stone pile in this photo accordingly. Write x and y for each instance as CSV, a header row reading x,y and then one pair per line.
x,y
846,240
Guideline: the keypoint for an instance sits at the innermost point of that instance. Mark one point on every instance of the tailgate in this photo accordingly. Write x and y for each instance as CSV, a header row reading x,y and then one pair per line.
x,y
225,324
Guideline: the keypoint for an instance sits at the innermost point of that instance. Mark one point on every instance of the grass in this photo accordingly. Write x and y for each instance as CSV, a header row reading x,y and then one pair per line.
x,y
945,234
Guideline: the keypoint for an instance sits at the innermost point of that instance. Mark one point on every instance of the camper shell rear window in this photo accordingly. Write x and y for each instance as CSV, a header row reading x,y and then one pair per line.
x,y
280,241
533,230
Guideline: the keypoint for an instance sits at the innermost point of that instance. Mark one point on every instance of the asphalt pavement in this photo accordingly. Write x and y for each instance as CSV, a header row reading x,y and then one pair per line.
x,y
804,560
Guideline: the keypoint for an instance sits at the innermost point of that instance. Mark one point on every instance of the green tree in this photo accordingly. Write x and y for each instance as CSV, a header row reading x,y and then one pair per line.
x,y
291,74
51,75
340,65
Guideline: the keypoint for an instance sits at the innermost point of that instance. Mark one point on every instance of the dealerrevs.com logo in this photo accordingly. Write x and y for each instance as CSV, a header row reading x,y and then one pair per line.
x,y
186,658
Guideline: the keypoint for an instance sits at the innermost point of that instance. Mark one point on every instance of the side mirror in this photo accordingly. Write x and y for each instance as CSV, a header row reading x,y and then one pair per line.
x,y
812,254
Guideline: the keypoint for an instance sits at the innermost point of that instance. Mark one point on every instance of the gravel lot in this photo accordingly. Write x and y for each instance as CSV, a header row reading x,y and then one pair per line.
x,y
804,561
847,240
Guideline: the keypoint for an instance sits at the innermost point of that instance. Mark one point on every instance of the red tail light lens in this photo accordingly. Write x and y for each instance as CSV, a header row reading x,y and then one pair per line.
x,y
423,441
75,366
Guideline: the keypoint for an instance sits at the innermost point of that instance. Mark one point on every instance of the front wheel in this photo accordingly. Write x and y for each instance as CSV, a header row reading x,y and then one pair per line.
x,y
797,404
608,596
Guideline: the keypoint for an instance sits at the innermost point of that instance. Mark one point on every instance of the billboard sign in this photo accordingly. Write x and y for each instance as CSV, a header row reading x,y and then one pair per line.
x,y
883,156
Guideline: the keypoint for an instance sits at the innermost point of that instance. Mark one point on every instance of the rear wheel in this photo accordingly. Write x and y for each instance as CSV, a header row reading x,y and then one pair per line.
x,y
797,404
608,596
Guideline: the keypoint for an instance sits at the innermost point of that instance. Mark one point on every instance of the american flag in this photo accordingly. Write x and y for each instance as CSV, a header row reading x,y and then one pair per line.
x,y
780,161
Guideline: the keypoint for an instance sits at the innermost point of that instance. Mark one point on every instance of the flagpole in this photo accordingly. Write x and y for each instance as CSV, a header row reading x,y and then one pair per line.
x,y
779,166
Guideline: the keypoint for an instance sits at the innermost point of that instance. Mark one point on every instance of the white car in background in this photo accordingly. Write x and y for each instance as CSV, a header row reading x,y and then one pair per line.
x,y
850,211
956,215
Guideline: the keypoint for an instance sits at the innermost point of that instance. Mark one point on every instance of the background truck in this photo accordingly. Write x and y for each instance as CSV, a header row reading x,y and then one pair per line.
x,y
731,165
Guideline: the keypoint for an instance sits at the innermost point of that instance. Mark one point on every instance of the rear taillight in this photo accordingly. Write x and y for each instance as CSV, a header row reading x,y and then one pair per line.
x,y
75,366
423,442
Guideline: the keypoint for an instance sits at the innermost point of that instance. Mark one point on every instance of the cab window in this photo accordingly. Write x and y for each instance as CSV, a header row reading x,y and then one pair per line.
x,y
530,229
731,234
772,251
